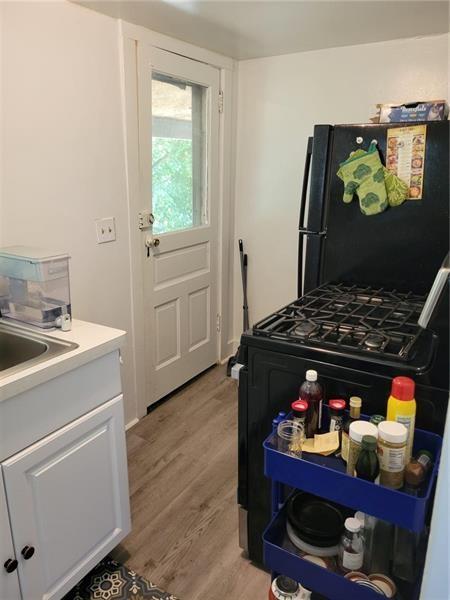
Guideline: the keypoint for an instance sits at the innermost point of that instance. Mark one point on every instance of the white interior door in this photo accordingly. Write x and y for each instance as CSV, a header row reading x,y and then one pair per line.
x,y
179,140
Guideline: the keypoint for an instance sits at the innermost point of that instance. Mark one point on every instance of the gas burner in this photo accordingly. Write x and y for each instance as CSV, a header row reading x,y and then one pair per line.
x,y
343,300
374,341
399,315
351,318
305,328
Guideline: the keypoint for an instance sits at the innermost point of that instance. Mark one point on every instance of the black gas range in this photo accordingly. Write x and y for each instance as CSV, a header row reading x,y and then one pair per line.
x,y
363,282
381,323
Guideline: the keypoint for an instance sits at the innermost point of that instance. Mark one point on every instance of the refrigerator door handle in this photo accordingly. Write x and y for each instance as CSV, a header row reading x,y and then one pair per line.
x,y
302,230
306,231
313,232
309,149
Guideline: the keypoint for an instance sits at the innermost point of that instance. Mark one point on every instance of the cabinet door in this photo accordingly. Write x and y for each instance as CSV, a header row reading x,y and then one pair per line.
x,y
9,582
68,500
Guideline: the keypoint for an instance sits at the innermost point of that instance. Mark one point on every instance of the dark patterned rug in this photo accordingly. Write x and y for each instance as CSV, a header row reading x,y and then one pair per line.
x,y
110,580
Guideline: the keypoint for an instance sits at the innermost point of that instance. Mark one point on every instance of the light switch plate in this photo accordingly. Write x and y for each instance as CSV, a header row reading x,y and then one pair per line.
x,y
106,230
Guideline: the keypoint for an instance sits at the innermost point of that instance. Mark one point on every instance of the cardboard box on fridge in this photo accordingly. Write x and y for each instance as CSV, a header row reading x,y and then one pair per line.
x,y
412,112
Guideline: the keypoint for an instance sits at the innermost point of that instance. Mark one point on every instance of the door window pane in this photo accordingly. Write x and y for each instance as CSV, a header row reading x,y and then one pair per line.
x,y
178,154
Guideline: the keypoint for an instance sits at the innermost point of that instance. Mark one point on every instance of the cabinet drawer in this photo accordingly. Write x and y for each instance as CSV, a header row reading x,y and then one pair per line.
x,y
68,500
30,416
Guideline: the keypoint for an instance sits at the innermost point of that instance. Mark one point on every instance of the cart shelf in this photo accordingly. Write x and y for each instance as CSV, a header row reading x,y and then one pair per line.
x,y
325,476
281,556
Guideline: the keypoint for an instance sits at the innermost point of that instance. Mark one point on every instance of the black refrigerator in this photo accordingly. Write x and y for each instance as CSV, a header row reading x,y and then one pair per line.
x,y
390,257
400,248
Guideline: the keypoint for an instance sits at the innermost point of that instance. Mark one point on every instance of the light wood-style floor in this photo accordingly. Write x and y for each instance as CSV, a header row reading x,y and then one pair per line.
x,y
182,462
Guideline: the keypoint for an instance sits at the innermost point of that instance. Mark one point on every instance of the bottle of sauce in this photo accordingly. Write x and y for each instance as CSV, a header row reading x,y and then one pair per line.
x,y
402,408
351,548
367,466
336,408
355,413
312,392
300,412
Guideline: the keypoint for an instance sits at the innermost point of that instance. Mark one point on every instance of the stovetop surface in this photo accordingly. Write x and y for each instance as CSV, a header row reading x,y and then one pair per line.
x,y
357,319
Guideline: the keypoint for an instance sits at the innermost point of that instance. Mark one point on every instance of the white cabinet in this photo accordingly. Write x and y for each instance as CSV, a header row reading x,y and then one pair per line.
x,y
9,582
68,503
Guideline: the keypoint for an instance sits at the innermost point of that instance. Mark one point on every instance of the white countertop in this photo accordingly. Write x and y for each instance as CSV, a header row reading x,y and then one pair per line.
x,y
93,341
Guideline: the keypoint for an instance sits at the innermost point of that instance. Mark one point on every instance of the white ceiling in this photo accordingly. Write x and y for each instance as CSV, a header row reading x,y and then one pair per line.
x,y
257,28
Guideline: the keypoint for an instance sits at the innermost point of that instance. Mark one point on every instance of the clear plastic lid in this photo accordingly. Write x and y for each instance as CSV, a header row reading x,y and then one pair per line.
x,y
31,254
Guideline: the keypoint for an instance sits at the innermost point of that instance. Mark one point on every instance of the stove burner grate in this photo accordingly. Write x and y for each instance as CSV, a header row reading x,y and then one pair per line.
x,y
351,317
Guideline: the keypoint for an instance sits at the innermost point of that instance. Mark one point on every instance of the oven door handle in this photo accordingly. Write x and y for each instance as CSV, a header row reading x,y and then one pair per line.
x,y
435,293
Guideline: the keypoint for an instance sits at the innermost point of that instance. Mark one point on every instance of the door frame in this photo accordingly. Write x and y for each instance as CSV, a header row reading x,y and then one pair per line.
x,y
136,44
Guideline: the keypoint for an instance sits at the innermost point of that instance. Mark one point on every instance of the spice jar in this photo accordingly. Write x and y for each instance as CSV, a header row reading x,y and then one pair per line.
x,y
392,438
416,471
355,414
358,429
336,410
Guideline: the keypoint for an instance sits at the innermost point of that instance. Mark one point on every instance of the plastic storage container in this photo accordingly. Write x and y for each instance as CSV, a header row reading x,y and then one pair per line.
x,y
34,286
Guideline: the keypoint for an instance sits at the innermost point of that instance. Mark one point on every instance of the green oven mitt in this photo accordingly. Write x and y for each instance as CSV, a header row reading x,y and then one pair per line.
x,y
396,188
363,174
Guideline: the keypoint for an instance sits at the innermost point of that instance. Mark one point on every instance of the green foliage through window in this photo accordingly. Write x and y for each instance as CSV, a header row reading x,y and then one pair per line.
x,y
172,184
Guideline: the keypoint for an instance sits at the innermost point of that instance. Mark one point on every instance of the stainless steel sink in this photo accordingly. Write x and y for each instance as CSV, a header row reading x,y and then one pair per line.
x,y
21,348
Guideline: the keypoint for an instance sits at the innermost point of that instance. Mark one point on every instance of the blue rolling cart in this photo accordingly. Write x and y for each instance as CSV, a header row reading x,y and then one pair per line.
x,y
326,477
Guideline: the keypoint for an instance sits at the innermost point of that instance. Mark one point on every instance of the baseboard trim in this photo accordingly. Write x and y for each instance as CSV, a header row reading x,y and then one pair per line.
x,y
131,424
232,347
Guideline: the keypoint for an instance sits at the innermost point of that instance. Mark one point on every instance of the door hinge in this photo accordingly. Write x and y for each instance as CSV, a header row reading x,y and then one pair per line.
x,y
221,101
145,219
218,322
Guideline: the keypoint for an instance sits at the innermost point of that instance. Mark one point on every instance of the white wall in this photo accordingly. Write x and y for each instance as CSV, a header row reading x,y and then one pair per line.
x,y
280,100
63,162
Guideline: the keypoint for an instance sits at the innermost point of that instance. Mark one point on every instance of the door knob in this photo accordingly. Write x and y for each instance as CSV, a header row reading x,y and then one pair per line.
x,y
10,565
27,552
151,242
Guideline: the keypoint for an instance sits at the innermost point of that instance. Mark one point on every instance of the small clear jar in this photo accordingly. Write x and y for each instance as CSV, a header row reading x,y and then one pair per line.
x,y
351,547
290,438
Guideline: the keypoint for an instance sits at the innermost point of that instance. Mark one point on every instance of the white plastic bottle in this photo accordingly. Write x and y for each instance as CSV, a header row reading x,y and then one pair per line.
x,y
351,547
